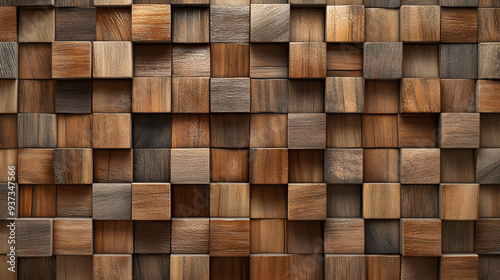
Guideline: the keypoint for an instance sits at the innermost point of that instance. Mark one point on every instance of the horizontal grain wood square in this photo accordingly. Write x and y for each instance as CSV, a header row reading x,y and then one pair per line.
x,y
151,165
420,166
486,237
191,61
383,60
73,237
190,166
272,266
36,166
267,201
112,266
344,236
230,95
381,200
152,60
37,130
230,130
315,271
111,131
306,131
420,23
71,60
111,201
36,96
229,24
34,237
268,166
228,165
229,200
112,60
76,24
344,95
190,236
150,201
113,237
459,25
307,25
307,60
347,57
152,237
458,95
36,201
191,25
420,95
268,130
417,131
229,237
270,23
151,23
185,266
459,265
34,61
344,166
74,266
306,201
190,94
73,166
381,266
37,25
343,130
190,131
74,201
269,61
345,23
459,130
267,236
74,131
421,237
112,96
380,131
230,60
113,24
419,268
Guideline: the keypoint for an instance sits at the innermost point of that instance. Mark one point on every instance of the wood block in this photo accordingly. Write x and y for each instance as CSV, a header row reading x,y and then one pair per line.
x,y
305,237
420,61
151,23
267,201
229,24
305,166
489,57
73,237
36,201
229,200
190,236
112,266
382,3
381,236
490,126
307,25
383,267
190,95
36,166
230,95
36,25
71,60
191,131
417,131
150,201
269,61
488,3
381,201
76,24
230,60
113,25
73,97
8,19
457,165
383,60
190,166
230,268
306,96
458,61
345,267
74,201
151,165
32,268
73,3
152,60
230,237
488,96
465,266
111,131
151,266
459,3
344,201
34,61
380,131
152,130
420,23
73,166
230,130
457,95
459,130
312,125
228,165
269,23
36,96
306,201
10,131
268,166
268,130
307,60
113,236
190,201
267,236
191,60
414,268
8,157
489,266
152,237
111,201
74,267
459,25
112,96
112,166
486,238
421,237
420,166
343,130
112,2
459,201
189,267
347,57
486,25
344,236
34,237
489,198
382,25
309,266
9,94
272,266
345,23
420,95
74,131
458,236
269,95
343,166
344,95
151,95
190,25
487,164
112,59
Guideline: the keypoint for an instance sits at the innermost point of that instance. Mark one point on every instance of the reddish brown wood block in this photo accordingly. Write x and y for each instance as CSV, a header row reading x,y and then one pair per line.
x,y
382,25
414,268
310,266
272,266
113,24
345,23
419,95
268,201
417,131
268,166
343,131
458,165
112,166
152,60
34,237
306,131
36,166
190,266
421,237
73,166
269,61
36,201
459,25
490,130
9,133
380,131
71,60
458,236
380,165
229,200
150,201
347,58
268,130
464,266
73,237
151,23
111,131
305,166
306,201
190,201
190,236
190,131
344,201
420,166
345,267
72,267
420,23
190,95
36,96
267,236
488,96
190,166
487,240
489,265
74,131
489,201
457,95
8,19
152,237
344,95
74,201
112,267
420,61
151,95
487,18
191,61
306,96
151,266
459,130
343,166
307,60
229,237
33,267
230,60
383,267
381,201
227,268
344,236
459,201
307,25
305,237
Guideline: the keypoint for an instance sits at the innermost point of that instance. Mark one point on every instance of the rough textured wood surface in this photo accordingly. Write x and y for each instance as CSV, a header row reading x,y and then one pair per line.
x,y
190,236
382,236
307,60
73,166
76,24
229,237
306,131
344,236
459,130
420,23
345,23
383,60
230,95
72,237
111,201
190,25
306,201
182,163
421,237
420,166
344,166
270,23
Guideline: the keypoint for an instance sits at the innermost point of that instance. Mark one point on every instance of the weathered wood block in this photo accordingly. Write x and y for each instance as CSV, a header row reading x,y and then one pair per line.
x,y
488,96
380,131
458,165
307,25
112,266
269,95
417,131
306,131
343,130
112,96
36,96
487,3
465,266
382,236
344,95
420,23
267,201
152,130
459,130
420,95
112,59
229,24
149,266
190,95
73,3
344,201
457,95
187,266
151,95
72,236
268,130
381,25
269,60
71,60
269,23
34,61
487,240
305,237
74,201
271,266
420,61
190,236
113,24
490,128
306,201
383,60
190,131
345,23
8,19
73,166
458,236
113,166
459,25
419,268
151,165
267,236
382,3
305,166
230,95
421,237
10,131
230,130
489,198
459,201
307,60
111,131
459,3
345,267
36,166
73,97
9,93
229,237
36,25
486,25
150,201
43,267
306,96
345,58
268,166
488,163
71,267
381,201
34,201
190,25
344,166
489,56
151,23
111,201
190,201
34,237
230,60
75,24
229,200
152,237
458,61
152,60
191,60
190,166
344,236
420,166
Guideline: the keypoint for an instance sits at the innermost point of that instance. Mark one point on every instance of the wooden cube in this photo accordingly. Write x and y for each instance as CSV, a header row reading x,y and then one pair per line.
x,y
33,237
306,201
230,130
152,131
229,200
344,166
190,95
230,95
230,60
487,240
457,95
269,95
35,201
112,60
152,237
151,23
112,266
307,60
419,268
419,201
112,201
421,237
74,202
382,236
459,25
343,130
307,25
112,166
381,3
191,60
344,58
8,19
465,266
9,135
190,166
310,266
228,165
112,96
420,95
71,60
268,201
488,96
73,166
37,25
458,236
111,131
36,166
420,166
383,60
272,266
344,95
487,165
152,60
9,93
73,97
305,166
229,237
269,61
112,2
421,61
183,22
73,237
305,237
190,236
383,267
149,266
452,68
306,131
190,201
189,266
380,131
267,236
457,165
268,130
150,201
190,131
488,54
382,25
8,157
420,23
270,23
34,61
345,23
344,236
485,25
113,24
490,127
151,165
416,131
381,201
344,201
33,267
229,24
223,268
151,95
268,166
459,3
345,267
489,197
488,265
70,267
459,130
306,96
36,96
76,24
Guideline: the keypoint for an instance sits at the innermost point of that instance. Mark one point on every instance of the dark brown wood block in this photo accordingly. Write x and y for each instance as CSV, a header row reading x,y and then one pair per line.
x,y
37,201
190,95
421,237
74,131
457,165
489,201
73,97
229,23
310,266
489,266
487,240
36,96
383,267
74,267
152,60
34,237
151,23
306,96
112,166
420,166
490,128
345,267
382,3
459,130
270,23
307,60
10,131
72,237
488,58
9,103
307,201
306,131
417,131
459,25
268,166
305,237
73,166
190,201
382,25
305,166
34,61
152,131
381,236
36,166
111,131
271,267
112,267
344,236
268,95
190,131
488,162
151,165
419,201
343,130
380,165
74,201
345,57
458,237
190,166
37,268
113,24
8,19
190,236
488,3
414,268
36,24
75,24
73,3
457,95
420,95
190,25
152,237
190,267
229,268
112,59
267,236
230,130
487,18
383,60
111,201
230,237
465,266
420,61
228,165
150,201
345,23
380,131
269,61
267,201
191,60
230,60
113,237
344,95
307,25
152,95
344,201
458,61
343,166
268,130
230,95
459,3
151,266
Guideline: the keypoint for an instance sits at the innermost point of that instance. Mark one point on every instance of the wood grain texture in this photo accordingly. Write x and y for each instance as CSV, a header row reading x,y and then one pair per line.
x,y
381,25
267,236
267,201
190,267
229,130
419,268
111,96
307,25
73,237
269,61
306,201
112,166
459,3
191,131
487,25
228,165
343,130
344,236
420,166
459,25
113,237
73,96
487,98
8,19
36,96
268,130
420,95
382,237
74,267
151,165
345,23
151,266
111,201
229,23
230,95
421,237
417,131
490,127
112,2
191,60
460,265
73,3
151,95
305,166
458,61
487,164
190,166
36,166
420,23
380,131
37,25
458,236
8,157
152,60
457,165
111,131
190,95
190,201
230,60
112,59
151,131
73,166
150,201
421,61
344,201
190,25
229,237
457,95
486,239
344,95
459,130
151,23
306,131
348,57
9,93
306,96
489,197
488,3
307,60
34,61
268,166
113,25
383,60
459,201
34,237
269,95
74,131
489,266
229,200
43,267
190,236
489,58
269,23
381,200
76,24
345,267
309,266
9,135
305,237
112,266
74,202
272,266
380,266
37,201
343,166
152,237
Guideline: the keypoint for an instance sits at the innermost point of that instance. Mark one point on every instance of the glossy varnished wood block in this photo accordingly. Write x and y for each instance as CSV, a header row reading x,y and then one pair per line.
x,y
151,131
459,130
190,95
73,96
112,59
36,201
458,236
343,130
417,131
229,237
382,236
36,96
458,165
343,166
230,95
380,131
306,96
307,201
307,60
489,198
381,25
488,59
190,201
111,96
381,201
230,60
344,95
72,237
420,95
229,165
115,266
487,240
36,166
465,266
8,19
74,201
268,201
112,166
269,23
74,267
190,236
383,60
229,200
34,61
307,25
459,201
268,166
488,96
34,237
189,267
269,61
190,25
113,24
345,23
272,266
268,130
151,95
267,236
152,237
111,201
151,23
487,164
190,166
191,61
190,131
151,266
229,24
419,268
37,25
459,25
486,29
421,61
75,24
457,95
10,133
305,237
420,23
421,237
150,201
344,236
111,131
312,125
71,60
458,61
73,166
151,165
420,166
152,60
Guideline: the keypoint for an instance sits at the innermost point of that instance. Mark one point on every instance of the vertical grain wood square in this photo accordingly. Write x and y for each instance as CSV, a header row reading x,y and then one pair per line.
x,y
229,24
344,201
421,237
36,166
8,157
151,95
486,237
73,237
458,61
307,25
344,166
8,19
73,96
421,61
306,201
459,25
228,165
417,131
36,25
113,24
112,166
459,201
305,166
111,201
190,25
269,61
113,237
190,201
34,61
267,201
272,266
345,266
487,18
381,25
152,237
489,198
9,95
73,166
306,96
37,130
191,61
419,268
420,23
347,57
420,166
36,201
229,237
383,60
343,130
151,165
71,60
465,266
489,58
270,23
267,236
457,165
488,265
76,24
74,201
306,131
230,95
268,166
150,201
74,267
189,266
33,267
10,131
380,266
190,236
151,23
380,165
190,131
268,130
420,95
490,130
382,237
314,263
458,95
488,96
344,95
112,266
305,237
111,131
34,237
381,200
74,131
230,60
459,130
112,60
344,236
269,95
345,23
149,266
307,60
112,96
488,162
190,94
151,131
229,200
36,96
190,166
152,60
380,131
230,130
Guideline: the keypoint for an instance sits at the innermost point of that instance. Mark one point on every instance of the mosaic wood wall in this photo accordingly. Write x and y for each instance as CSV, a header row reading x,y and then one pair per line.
x,y
315,139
